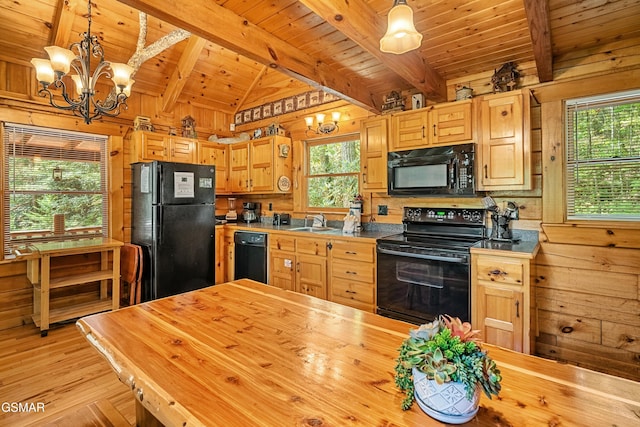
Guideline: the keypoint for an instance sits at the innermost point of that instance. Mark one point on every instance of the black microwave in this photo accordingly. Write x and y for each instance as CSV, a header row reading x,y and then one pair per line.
x,y
436,171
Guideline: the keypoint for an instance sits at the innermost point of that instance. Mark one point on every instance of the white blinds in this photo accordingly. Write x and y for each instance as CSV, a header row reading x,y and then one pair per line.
x,y
55,185
603,157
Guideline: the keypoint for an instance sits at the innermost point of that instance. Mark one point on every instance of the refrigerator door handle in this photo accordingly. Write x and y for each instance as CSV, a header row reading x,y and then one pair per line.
x,y
159,223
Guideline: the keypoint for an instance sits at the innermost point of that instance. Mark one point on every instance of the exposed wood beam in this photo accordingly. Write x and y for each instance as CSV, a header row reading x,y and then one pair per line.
x,y
65,14
221,26
179,77
253,84
540,28
359,22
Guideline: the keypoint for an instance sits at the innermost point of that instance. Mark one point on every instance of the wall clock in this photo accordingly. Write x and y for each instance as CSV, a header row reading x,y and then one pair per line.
x,y
284,183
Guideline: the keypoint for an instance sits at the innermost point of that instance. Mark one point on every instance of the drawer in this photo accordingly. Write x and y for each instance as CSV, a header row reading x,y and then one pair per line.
x,y
282,242
347,291
500,270
359,251
355,271
311,246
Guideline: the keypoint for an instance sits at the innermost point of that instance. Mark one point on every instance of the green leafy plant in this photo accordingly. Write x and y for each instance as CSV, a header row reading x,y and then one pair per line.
x,y
446,349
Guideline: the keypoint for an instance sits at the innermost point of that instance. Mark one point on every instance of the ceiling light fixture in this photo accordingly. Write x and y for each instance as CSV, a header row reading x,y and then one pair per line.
x,y
50,73
323,128
401,35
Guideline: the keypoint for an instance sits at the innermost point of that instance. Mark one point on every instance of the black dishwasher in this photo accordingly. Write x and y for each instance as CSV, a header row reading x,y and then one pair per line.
x,y
251,256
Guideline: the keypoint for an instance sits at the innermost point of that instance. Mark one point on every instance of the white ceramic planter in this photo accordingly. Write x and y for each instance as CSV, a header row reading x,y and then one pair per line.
x,y
445,402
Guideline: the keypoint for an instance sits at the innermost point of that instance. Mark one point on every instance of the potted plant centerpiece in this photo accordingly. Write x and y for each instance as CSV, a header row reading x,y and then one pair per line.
x,y
443,367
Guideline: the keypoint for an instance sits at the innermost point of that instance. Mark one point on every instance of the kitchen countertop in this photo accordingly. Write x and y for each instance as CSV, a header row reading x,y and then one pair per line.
x,y
337,232
519,248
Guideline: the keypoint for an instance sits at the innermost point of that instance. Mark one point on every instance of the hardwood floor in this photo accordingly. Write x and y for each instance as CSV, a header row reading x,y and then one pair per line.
x,y
54,375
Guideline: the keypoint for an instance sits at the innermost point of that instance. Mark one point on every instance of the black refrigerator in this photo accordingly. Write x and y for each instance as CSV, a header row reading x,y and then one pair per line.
x,y
173,220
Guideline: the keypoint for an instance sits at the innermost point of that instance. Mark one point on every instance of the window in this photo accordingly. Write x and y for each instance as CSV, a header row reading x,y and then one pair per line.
x,y
55,185
603,157
333,167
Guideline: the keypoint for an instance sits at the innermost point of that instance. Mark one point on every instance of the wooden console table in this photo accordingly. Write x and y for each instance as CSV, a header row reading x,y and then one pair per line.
x,y
39,274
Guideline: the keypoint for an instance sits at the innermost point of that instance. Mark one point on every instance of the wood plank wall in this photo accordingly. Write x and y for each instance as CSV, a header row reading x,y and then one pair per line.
x,y
588,296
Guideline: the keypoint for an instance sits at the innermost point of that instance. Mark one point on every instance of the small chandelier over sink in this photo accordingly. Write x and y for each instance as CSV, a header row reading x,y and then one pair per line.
x,y
50,74
322,128
401,35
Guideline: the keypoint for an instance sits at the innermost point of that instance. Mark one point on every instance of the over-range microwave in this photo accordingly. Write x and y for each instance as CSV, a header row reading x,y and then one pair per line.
x,y
436,171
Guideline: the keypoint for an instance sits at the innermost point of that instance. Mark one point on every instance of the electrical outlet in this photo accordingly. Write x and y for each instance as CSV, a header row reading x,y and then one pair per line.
x,y
382,210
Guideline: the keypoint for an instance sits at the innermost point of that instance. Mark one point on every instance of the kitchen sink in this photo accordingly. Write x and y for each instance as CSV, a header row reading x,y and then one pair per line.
x,y
312,229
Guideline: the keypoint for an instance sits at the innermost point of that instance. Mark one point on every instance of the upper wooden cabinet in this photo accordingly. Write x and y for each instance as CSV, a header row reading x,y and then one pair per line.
x,y
504,145
213,153
373,153
448,123
260,166
147,146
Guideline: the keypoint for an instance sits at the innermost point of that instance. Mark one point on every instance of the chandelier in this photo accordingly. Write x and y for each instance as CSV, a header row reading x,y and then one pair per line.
x,y
50,73
401,35
322,128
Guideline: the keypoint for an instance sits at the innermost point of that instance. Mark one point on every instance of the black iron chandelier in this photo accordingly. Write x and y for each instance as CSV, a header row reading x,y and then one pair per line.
x,y
50,73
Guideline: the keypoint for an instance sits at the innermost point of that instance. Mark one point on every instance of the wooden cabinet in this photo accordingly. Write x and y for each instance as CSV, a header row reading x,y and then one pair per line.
x,y
298,264
53,256
220,255
501,300
504,145
353,274
229,254
441,124
212,153
260,166
373,154
148,146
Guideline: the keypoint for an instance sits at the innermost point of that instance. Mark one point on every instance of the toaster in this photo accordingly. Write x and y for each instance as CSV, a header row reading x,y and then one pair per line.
x,y
281,219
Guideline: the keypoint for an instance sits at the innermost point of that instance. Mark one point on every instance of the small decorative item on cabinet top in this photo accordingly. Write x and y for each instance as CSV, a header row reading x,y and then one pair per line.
x,y
505,78
189,127
275,129
393,102
443,367
257,133
463,92
142,123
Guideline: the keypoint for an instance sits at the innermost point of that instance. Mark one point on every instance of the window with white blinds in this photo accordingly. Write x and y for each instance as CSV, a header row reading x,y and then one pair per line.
x,y
603,157
55,185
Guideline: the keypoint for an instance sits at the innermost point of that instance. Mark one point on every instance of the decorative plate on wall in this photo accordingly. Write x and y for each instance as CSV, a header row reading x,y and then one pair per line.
x,y
284,183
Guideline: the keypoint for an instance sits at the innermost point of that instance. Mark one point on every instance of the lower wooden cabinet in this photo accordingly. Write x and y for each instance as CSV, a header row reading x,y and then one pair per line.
x,y
219,259
353,274
501,298
229,254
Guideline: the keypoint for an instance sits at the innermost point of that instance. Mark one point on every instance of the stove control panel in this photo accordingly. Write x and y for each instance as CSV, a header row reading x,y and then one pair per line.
x,y
444,215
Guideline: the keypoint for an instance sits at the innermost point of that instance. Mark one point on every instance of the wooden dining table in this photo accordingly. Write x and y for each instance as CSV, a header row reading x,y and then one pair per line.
x,y
247,354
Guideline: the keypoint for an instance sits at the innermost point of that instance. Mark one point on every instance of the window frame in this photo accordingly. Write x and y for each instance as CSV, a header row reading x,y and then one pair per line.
x,y
308,143
568,107
8,245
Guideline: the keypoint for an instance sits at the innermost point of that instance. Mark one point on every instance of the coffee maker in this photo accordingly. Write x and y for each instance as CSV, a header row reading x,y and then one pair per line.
x,y
251,212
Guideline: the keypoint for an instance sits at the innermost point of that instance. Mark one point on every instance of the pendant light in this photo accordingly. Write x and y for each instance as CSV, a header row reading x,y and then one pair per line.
x,y
401,35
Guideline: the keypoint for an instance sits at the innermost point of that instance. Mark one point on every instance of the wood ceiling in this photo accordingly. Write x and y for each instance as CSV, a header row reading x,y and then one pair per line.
x,y
244,52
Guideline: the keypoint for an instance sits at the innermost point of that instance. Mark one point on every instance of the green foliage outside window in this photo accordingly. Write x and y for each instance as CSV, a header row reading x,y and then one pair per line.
x,y
603,161
333,174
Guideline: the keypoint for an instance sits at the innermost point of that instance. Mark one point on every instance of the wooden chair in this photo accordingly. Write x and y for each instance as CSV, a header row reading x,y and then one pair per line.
x,y
131,272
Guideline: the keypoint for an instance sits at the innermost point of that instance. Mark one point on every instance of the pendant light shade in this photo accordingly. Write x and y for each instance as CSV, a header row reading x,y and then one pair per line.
x,y
401,35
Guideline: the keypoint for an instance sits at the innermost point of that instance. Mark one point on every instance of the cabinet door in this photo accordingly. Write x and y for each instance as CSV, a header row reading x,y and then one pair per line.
x,y
505,157
154,147
229,259
239,167
452,123
409,130
500,316
261,166
282,270
182,150
220,255
373,154
311,275
210,153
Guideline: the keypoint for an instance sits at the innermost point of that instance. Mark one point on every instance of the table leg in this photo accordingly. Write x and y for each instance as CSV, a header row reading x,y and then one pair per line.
x,y
45,278
144,418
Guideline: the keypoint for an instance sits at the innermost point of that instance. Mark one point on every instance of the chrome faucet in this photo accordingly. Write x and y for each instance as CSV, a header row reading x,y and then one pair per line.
x,y
319,220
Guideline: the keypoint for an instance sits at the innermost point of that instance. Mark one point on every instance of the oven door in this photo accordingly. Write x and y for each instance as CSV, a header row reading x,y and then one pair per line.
x,y
417,285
